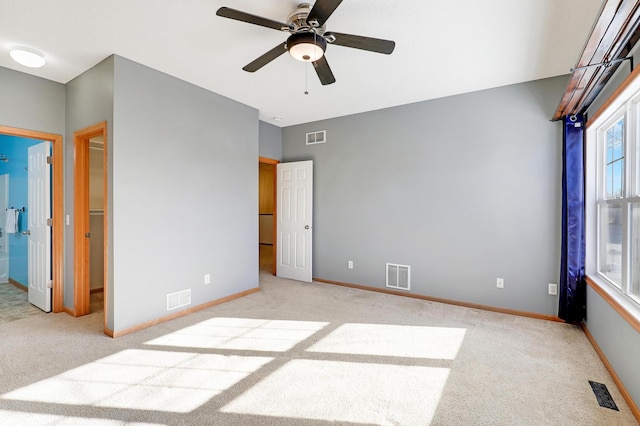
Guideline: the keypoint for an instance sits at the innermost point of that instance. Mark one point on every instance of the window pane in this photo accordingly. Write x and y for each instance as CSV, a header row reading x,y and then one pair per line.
x,y
609,184
618,129
610,262
634,243
617,151
614,166
618,171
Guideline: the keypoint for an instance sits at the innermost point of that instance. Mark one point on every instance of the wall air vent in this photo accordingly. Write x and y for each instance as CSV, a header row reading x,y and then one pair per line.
x,y
398,276
178,299
316,137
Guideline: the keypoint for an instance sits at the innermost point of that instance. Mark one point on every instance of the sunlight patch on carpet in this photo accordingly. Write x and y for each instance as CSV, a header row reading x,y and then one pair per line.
x,y
346,392
241,334
21,418
144,380
393,340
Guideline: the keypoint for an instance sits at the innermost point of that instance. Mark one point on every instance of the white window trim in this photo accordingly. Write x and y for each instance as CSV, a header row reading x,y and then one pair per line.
x,y
628,99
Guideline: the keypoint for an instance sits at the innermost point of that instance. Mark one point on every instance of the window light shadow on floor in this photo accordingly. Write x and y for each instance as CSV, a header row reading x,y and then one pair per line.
x,y
350,392
20,418
365,373
242,334
144,380
393,340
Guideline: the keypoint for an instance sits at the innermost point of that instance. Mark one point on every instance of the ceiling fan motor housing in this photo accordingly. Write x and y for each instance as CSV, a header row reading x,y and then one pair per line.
x,y
297,20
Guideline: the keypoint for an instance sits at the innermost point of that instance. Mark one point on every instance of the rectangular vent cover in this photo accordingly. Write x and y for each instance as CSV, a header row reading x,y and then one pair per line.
x,y
604,398
178,299
399,276
316,137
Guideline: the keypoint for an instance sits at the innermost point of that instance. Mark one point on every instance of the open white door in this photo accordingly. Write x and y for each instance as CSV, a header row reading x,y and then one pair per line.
x,y
295,214
39,232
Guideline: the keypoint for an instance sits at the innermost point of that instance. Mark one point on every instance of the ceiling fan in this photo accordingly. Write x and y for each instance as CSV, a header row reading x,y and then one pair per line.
x,y
308,37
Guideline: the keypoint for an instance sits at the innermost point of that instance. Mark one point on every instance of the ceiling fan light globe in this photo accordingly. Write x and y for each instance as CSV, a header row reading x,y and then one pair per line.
x,y
306,52
306,47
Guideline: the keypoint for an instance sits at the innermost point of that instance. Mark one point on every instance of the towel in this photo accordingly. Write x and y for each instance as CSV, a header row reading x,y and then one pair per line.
x,y
13,215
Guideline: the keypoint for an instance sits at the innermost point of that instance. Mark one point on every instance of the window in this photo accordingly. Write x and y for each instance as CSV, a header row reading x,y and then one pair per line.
x,y
617,205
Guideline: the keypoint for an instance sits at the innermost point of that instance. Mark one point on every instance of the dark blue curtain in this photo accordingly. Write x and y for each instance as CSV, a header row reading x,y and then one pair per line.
x,y
572,289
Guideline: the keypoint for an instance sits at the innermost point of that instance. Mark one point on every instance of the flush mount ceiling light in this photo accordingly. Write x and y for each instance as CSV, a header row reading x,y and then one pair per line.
x,y
27,57
306,47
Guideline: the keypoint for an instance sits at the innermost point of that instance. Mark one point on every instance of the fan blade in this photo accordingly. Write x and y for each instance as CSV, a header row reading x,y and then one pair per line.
x,y
266,58
365,43
324,72
238,15
322,10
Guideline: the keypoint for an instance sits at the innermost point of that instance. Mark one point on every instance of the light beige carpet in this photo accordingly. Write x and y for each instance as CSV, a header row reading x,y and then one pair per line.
x,y
305,354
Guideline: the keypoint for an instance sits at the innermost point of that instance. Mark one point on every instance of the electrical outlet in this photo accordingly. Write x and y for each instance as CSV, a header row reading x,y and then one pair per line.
x,y
207,278
553,289
350,264
500,282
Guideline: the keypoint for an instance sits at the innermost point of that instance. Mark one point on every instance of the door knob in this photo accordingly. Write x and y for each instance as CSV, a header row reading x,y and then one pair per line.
x,y
306,227
27,232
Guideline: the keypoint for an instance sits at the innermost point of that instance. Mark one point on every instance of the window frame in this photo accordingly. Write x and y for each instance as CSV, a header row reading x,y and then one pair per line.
x,y
625,104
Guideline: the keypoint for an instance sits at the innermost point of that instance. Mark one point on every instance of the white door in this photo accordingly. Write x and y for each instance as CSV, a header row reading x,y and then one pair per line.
x,y
4,246
39,232
295,213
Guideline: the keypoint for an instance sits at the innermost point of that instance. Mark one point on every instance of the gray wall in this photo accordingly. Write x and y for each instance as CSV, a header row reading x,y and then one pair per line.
x,y
270,141
617,339
619,342
89,101
31,103
464,189
185,193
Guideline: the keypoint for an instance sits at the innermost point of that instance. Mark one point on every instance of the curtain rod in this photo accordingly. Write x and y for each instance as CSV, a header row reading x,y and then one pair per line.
x,y
606,64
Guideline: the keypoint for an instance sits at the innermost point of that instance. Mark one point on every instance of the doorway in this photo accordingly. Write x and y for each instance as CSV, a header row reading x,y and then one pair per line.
x,y
55,223
267,212
90,220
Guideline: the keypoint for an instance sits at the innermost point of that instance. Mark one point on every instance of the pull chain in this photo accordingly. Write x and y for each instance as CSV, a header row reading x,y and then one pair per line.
x,y
306,74
306,80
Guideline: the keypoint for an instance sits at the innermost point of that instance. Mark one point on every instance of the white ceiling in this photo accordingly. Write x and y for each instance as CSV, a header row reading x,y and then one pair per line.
x,y
443,47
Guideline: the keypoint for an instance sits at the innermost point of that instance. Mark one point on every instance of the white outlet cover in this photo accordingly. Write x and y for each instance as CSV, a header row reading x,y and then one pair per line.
x,y
553,289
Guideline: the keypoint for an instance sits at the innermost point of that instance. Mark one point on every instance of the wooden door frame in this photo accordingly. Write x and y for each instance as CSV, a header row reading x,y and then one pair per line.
x,y
265,160
81,244
57,227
